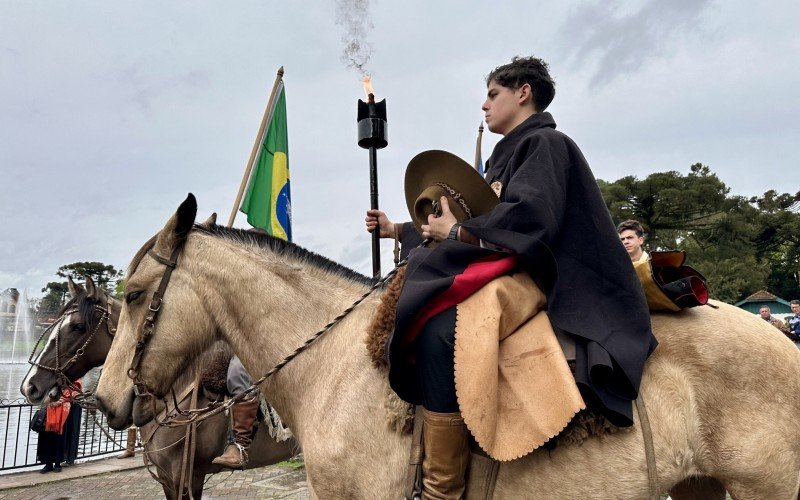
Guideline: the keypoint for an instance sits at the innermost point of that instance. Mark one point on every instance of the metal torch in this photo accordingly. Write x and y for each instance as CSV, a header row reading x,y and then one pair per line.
x,y
372,128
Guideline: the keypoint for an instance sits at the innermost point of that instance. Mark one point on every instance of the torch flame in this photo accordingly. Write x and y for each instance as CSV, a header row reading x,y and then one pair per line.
x,y
367,82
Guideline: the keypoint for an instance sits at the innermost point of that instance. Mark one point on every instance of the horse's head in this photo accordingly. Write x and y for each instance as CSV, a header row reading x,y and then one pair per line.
x,y
182,327
78,341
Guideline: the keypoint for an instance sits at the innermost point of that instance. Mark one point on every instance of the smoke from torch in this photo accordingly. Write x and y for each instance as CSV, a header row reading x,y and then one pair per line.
x,y
353,15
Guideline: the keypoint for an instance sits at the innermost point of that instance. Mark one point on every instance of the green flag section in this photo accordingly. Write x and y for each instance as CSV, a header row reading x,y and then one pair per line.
x,y
267,201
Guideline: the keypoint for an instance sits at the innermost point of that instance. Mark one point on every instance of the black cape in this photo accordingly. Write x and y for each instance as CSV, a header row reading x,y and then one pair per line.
x,y
552,214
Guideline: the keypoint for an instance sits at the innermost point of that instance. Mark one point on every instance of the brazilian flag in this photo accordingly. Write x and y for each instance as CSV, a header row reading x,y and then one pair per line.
x,y
268,201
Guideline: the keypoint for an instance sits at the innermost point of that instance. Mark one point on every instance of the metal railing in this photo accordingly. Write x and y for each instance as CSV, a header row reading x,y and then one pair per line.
x,y
19,442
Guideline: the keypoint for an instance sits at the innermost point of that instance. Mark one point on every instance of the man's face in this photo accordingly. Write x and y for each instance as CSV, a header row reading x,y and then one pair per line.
x,y
764,312
502,107
631,242
795,308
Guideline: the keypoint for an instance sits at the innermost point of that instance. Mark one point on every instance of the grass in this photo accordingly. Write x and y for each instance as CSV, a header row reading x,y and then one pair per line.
x,y
292,463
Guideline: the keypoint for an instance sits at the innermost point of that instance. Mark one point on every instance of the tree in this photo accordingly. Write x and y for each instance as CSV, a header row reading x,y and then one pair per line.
x,y
741,245
54,299
105,277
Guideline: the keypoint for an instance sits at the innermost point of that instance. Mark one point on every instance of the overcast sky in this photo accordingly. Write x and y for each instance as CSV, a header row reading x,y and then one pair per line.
x,y
112,111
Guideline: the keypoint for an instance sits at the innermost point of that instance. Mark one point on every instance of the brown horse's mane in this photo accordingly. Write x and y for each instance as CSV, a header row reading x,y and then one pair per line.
x,y
85,305
264,241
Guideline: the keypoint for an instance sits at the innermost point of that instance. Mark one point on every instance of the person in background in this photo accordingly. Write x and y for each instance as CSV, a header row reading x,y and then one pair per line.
x,y
631,234
50,448
72,428
793,322
243,418
766,315
130,444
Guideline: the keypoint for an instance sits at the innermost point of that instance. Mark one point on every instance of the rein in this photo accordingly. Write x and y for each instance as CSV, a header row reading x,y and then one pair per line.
x,y
192,416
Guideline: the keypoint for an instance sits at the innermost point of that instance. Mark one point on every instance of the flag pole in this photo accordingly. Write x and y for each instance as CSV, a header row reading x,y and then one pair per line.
x,y
478,146
256,145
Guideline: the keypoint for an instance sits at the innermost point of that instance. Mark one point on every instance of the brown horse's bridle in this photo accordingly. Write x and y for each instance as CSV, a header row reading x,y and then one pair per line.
x,y
59,370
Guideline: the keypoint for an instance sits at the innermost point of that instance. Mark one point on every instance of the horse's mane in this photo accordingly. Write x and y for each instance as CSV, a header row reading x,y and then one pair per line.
x,y
137,259
85,305
264,241
285,248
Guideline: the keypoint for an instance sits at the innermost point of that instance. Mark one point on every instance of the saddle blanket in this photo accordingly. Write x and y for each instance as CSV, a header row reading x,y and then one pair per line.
x,y
513,383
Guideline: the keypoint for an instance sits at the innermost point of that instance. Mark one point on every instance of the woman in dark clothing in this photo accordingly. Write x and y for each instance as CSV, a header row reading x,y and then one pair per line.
x,y
552,216
50,447
60,436
72,432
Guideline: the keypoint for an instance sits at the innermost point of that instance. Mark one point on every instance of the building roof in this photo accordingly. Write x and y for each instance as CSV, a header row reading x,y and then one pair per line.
x,y
763,296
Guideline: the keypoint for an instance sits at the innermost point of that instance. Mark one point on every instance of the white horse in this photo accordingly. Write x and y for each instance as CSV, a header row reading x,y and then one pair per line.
x,y
722,389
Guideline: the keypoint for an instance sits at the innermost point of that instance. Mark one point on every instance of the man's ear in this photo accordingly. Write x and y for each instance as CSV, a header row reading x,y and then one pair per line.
x,y
177,228
525,95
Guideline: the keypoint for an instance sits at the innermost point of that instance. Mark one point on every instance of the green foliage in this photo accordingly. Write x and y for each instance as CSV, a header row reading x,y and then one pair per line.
x,y
105,277
55,297
740,245
102,274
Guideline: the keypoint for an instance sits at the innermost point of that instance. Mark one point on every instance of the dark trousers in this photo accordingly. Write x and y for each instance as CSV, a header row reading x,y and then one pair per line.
x,y
435,352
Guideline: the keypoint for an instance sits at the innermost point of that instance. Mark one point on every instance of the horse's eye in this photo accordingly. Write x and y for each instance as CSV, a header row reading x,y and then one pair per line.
x,y
79,327
132,296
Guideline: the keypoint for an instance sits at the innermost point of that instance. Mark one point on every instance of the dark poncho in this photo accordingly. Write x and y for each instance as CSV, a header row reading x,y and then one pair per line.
x,y
552,214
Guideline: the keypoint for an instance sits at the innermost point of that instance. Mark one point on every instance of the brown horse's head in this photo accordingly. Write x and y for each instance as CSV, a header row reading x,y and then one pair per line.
x,y
78,341
184,325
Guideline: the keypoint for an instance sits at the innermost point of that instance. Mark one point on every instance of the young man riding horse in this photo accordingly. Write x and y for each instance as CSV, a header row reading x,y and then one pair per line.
x,y
552,217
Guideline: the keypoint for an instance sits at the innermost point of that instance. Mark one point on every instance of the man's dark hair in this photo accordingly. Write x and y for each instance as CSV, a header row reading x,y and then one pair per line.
x,y
530,70
632,225
794,302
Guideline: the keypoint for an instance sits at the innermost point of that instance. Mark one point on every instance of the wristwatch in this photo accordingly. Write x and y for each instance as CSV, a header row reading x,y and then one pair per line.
x,y
454,232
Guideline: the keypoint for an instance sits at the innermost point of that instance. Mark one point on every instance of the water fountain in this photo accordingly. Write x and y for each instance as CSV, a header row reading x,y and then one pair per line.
x,y
16,329
17,335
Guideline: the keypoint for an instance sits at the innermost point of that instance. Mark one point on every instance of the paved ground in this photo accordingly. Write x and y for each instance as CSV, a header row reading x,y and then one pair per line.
x,y
269,482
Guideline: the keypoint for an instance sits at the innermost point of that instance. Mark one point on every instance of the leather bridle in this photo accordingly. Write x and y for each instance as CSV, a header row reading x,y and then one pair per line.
x,y
140,388
58,369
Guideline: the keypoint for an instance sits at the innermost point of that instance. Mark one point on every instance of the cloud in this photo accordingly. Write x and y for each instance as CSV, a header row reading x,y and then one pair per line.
x,y
148,88
613,41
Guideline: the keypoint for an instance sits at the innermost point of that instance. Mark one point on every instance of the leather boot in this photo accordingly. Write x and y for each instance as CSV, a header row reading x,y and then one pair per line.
x,y
130,445
446,441
244,416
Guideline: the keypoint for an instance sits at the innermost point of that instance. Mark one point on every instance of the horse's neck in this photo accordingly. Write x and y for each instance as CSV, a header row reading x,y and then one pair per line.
x,y
328,390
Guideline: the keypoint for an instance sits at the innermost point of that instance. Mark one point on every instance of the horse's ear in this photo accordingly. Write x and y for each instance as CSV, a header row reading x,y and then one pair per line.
x,y
91,289
177,228
74,288
211,221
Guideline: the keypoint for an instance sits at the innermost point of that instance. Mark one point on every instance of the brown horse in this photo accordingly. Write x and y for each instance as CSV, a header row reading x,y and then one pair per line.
x,y
85,336
722,389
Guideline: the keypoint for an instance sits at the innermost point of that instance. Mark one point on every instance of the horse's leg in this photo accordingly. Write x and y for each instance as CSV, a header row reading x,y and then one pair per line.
x,y
198,478
698,488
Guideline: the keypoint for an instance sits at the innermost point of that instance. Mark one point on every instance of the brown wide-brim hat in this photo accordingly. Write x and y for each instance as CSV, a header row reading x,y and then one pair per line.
x,y
433,174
